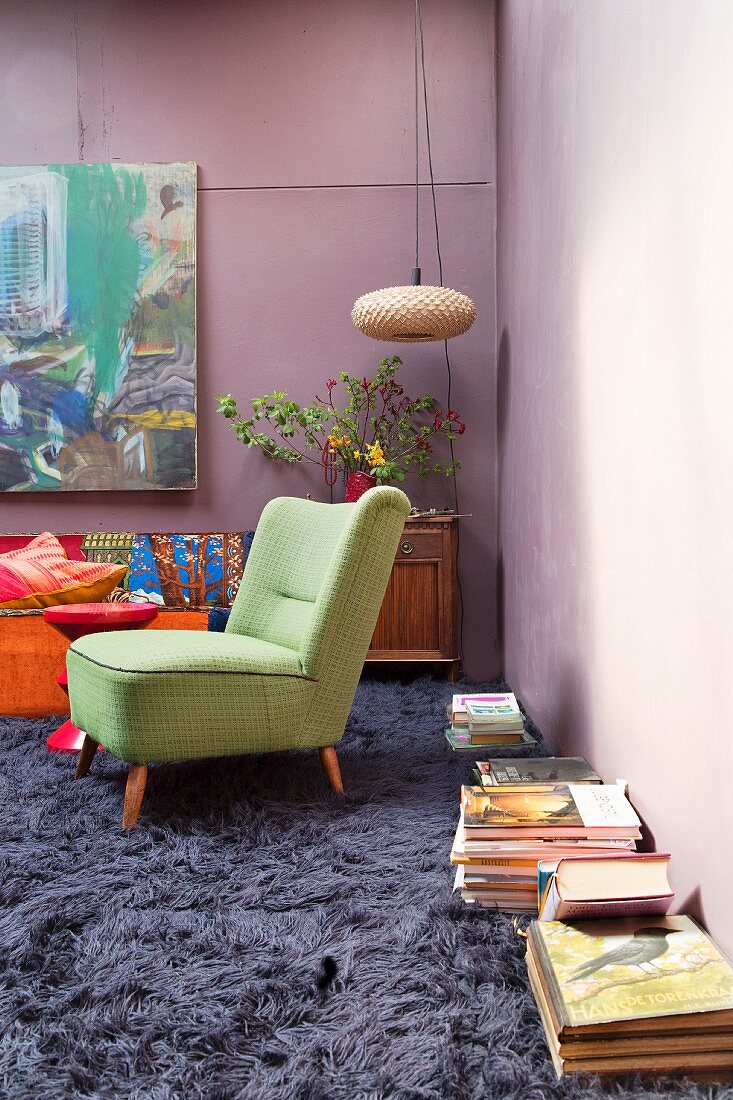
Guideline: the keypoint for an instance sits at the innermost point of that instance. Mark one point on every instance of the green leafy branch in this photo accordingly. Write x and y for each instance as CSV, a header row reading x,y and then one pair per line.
x,y
283,420
379,429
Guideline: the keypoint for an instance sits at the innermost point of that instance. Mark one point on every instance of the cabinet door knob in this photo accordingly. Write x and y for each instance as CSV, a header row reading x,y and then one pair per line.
x,y
406,547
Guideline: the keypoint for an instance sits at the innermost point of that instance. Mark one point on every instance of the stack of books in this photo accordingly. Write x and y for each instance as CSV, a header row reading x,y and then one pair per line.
x,y
622,988
493,719
650,995
503,836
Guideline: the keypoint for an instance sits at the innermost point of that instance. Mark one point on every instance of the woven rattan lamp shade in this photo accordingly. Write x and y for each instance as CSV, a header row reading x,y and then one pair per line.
x,y
413,314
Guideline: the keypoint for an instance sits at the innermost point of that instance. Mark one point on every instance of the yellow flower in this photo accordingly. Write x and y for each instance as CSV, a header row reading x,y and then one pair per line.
x,y
357,454
375,455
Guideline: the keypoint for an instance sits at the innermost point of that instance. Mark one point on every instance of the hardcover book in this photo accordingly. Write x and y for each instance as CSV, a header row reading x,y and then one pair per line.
x,y
488,737
635,974
592,887
693,1053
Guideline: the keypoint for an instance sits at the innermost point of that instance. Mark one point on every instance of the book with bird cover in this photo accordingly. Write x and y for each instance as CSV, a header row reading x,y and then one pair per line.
x,y
637,975
695,1053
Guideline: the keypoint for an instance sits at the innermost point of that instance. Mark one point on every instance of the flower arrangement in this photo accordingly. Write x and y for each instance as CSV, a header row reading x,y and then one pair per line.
x,y
378,431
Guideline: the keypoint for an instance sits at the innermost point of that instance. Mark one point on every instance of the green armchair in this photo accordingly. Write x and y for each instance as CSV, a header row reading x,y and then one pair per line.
x,y
282,676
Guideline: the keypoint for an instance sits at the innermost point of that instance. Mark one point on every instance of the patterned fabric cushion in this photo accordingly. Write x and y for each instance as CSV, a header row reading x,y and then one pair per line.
x,y
40,575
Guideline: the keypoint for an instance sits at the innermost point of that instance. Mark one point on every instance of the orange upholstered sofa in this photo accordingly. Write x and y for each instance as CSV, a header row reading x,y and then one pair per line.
x,y
32,654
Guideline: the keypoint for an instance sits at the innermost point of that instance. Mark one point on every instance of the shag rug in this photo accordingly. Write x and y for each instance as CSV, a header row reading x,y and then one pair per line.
x,y
186,960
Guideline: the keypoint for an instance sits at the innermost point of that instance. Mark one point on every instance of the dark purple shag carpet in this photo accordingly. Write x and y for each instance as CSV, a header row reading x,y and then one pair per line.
x,y
184,960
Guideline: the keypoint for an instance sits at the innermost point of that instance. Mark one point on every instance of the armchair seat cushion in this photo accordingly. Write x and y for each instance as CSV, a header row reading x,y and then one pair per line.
x,y
177,651
166,695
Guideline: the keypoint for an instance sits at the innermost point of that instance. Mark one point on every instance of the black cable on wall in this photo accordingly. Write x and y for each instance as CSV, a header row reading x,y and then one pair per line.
x,y
419,38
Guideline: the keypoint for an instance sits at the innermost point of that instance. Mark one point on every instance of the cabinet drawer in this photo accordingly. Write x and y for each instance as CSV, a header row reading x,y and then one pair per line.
x,y
420,545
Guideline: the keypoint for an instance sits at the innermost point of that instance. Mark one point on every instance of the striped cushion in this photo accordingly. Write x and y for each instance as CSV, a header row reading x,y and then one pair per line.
x,y
40,575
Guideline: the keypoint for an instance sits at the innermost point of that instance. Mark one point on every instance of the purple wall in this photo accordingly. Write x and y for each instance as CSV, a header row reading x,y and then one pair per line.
x,y
614,390
299,114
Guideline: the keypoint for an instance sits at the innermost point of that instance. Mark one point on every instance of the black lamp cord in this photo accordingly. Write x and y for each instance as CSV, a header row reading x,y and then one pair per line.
x,y
420,47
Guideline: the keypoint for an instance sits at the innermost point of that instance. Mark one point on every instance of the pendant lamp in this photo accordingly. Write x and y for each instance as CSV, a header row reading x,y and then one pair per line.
x,y
416,314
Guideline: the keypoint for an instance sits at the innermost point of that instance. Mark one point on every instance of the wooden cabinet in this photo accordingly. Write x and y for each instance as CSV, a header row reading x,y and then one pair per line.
x,y
418,621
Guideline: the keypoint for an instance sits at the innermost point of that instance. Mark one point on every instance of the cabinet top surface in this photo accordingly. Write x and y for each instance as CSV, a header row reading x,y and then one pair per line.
x,y
434,519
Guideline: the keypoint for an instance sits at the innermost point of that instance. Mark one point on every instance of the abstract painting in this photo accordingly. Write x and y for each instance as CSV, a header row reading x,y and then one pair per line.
x,y
98,327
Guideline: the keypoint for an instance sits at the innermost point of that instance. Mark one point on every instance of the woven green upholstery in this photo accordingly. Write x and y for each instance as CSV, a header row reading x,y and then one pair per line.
x,y
284,673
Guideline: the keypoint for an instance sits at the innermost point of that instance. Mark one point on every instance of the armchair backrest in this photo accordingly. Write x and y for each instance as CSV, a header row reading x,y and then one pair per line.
x,y
316,576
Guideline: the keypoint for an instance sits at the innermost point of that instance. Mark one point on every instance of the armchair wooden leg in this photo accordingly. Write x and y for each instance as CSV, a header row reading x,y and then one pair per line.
x,y
330,762
86,755
137,777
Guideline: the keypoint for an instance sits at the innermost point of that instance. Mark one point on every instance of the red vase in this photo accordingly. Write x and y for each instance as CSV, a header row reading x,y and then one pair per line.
x,y
357,484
